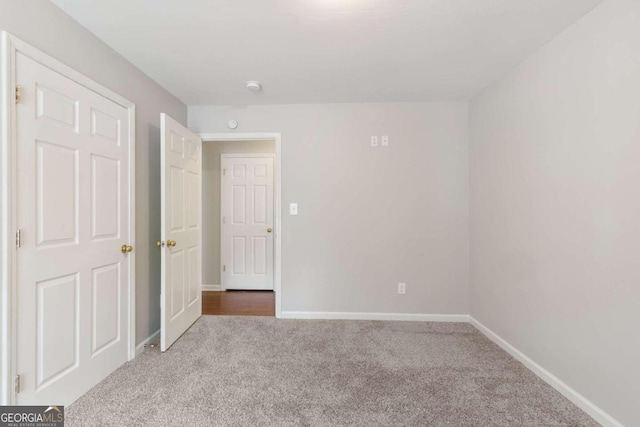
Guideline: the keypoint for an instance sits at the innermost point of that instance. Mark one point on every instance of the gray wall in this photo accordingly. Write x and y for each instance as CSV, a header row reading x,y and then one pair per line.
x,y
369,217
43,25
211,151
555,208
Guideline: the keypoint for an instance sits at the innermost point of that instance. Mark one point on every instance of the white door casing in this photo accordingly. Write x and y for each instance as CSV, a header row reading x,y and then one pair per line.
x,y
74,200
181,223
247,221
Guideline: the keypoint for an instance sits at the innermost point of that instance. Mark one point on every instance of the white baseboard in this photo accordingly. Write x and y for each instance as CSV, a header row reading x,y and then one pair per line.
x,y
374,316
579,400
216,288
150,339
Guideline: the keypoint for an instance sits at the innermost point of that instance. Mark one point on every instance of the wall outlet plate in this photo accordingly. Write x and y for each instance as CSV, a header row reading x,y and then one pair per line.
x,y
374,141
385,140
402,288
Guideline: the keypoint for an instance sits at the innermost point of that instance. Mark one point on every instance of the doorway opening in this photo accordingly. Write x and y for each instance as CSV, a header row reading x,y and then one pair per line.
x,y
241,232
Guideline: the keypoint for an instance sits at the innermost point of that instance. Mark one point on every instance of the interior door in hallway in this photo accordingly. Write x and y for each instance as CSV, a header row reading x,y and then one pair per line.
x,y
181,172
73,215
247,221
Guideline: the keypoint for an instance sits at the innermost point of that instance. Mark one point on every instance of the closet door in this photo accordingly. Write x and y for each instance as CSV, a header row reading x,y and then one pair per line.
x,y
73,195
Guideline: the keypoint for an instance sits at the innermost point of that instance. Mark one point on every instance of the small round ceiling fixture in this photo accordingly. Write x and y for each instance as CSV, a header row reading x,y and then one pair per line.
x,y
254,86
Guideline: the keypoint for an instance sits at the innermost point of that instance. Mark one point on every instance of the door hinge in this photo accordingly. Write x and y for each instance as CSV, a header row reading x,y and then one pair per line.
x,y
224,171
224,268
224,219
18,238
16,384
18,94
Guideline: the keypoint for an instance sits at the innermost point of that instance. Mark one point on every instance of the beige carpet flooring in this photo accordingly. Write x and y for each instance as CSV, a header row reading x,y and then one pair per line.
x,y
258,371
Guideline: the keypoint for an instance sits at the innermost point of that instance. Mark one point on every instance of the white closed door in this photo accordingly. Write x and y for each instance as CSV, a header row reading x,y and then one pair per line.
x,y
181,171
247,222
73,189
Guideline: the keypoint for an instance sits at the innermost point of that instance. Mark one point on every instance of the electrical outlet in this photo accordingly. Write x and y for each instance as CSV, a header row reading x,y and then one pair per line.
x,y
374,141
402,288
384,140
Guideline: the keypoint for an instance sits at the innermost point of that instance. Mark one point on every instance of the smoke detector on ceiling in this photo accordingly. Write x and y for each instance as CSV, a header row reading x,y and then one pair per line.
x,y
254,86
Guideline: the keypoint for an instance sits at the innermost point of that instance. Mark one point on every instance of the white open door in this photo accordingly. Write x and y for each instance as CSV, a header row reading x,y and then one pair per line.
x,y
181,172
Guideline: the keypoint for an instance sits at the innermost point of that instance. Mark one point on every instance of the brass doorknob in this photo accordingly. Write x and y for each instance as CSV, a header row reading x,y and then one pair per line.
x,y
159,243
269,230
125,249
171,243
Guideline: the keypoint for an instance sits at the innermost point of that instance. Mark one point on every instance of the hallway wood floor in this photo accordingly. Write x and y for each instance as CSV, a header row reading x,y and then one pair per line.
x,y
239,303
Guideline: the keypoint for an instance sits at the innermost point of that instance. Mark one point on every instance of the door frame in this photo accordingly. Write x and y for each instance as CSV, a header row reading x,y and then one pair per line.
x,y
235,156
10,46
277,198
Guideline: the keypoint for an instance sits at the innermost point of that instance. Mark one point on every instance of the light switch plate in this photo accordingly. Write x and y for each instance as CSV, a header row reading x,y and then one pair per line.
x,y
293,209
374,141
385,140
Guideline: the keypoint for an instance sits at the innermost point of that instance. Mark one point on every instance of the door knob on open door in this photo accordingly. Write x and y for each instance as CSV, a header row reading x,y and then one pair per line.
x,y
171,243
125,249
269,230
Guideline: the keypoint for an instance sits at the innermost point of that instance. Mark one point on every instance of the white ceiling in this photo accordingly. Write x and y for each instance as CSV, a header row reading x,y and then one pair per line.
x,y
315,51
